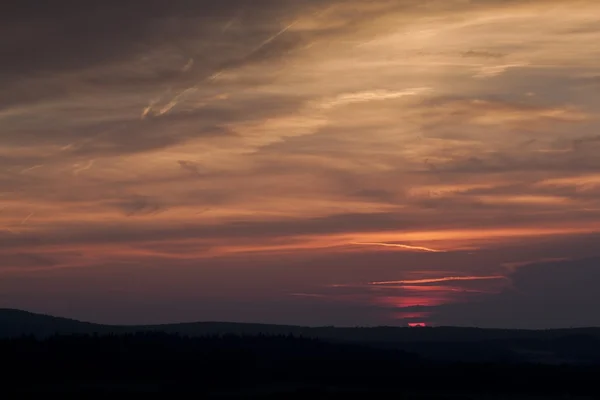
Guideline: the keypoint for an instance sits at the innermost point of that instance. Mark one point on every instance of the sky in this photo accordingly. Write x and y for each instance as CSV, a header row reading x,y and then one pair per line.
x,y
315,162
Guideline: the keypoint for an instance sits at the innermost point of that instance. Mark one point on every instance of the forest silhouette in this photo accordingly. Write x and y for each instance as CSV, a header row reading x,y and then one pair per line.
x,y
263,365
44,354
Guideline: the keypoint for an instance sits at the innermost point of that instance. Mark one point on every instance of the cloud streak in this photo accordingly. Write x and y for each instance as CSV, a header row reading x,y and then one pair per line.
x,y
401,246
439,280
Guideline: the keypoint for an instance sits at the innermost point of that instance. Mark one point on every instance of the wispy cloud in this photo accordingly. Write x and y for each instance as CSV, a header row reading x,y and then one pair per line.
x,y
401,246
439,280
376,95
451,138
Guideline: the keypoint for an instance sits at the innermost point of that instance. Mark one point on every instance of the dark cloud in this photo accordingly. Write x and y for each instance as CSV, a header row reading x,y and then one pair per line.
x,y
592,81
68,55
67,47
25,260
377,195
122,136
236,230
139,205
58,50
482,54
512,161
253,231
191,167
68,34
586,142
543,295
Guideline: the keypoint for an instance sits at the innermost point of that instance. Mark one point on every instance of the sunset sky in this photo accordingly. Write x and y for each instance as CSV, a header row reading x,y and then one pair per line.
x,y
318,162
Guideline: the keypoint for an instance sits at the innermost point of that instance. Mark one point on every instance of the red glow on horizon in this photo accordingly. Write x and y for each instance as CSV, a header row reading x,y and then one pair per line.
x,y
413,315
417,324
413,301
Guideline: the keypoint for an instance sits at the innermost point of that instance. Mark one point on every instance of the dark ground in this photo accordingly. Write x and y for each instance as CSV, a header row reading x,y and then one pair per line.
x,y
43,355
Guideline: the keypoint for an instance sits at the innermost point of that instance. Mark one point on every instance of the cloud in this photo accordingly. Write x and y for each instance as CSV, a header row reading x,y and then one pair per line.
x,y
401,246
139,205
448,137
543,295
377,95
190,167
116,29
439,280
588,81
497,112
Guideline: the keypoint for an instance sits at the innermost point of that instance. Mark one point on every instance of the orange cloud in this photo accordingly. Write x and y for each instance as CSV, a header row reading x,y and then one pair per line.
x,y
371,129
437,280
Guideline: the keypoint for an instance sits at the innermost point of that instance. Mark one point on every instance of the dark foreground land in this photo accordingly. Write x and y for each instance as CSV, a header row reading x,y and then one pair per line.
x,y
544,365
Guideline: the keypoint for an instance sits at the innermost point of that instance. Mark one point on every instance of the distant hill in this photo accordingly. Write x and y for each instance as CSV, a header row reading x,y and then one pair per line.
x,y
443,343
17,323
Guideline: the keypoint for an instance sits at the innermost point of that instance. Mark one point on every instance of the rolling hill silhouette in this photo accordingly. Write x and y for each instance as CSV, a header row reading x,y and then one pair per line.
x,y
449,344
17,323
55,354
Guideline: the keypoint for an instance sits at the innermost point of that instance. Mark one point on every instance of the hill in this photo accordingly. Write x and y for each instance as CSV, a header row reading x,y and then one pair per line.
x,y
15,323
447,344
53,354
